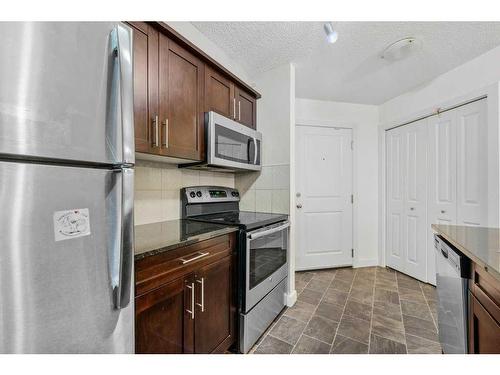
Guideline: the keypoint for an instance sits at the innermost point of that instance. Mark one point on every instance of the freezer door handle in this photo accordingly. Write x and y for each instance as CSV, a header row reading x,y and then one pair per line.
x,y
124,52
122,295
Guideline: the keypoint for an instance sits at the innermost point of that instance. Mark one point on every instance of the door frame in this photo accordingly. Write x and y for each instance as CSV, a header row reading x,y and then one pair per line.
x,y
340,125
491,93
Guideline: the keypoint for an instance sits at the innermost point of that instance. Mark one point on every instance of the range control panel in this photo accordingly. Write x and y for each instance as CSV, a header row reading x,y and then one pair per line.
x,y
210,194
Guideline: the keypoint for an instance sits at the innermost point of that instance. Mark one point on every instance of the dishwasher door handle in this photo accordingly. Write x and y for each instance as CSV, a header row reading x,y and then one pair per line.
x,y
445,253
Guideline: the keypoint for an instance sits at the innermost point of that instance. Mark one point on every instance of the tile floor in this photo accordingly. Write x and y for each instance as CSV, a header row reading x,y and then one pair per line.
x,y
347,311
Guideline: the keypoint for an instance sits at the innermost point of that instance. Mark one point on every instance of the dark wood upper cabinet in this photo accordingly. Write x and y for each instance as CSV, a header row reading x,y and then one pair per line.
x,y
214,324
181,101
175,83
145,84
246,108
219,93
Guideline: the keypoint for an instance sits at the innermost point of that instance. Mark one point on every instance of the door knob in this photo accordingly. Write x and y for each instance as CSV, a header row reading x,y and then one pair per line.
x,y
299,206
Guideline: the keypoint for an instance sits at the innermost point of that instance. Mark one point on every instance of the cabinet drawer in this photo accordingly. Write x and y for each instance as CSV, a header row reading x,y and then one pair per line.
x,y
486,289
154,271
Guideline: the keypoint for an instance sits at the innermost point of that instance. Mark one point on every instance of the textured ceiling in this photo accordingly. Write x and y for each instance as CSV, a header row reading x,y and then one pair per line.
x,y
351,70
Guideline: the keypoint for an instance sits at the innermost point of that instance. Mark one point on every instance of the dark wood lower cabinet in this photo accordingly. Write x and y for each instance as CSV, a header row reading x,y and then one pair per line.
x,y
484,330
214,320
194,313
159,320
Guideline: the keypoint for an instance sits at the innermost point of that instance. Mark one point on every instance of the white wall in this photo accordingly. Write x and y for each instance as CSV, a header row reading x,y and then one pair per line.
x,y
363,119
464,79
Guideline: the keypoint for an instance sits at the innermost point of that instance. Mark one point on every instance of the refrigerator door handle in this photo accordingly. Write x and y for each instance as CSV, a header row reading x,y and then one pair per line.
x,y
122,295
125,64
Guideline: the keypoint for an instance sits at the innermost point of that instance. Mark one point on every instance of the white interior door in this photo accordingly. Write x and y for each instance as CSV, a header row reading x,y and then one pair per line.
x,y
407,199
324,205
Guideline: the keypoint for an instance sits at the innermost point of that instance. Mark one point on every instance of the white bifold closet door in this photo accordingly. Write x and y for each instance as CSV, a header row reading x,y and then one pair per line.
x,y
436,173
407,199
457,171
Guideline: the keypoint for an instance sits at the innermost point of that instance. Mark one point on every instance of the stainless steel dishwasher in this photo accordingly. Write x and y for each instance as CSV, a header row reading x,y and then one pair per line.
x,y
452,272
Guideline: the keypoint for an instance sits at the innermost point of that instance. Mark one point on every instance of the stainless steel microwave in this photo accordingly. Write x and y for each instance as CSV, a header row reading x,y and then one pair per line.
x,y
230,146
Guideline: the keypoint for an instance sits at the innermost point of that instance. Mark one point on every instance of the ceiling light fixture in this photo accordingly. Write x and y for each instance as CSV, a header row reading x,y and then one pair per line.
x,y
401,49
331,34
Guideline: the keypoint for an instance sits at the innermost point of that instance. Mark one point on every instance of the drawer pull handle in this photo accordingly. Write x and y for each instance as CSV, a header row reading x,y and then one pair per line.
x,y
200,255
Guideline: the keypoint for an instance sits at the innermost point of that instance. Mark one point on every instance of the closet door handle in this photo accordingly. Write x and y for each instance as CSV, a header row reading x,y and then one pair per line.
x,y
191,287
202,283
239,110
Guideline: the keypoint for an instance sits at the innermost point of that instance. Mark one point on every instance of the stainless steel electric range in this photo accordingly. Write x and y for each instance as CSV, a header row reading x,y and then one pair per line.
x,y
262,255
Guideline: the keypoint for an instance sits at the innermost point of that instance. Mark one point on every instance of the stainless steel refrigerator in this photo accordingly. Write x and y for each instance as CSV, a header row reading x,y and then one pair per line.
x,y
66,188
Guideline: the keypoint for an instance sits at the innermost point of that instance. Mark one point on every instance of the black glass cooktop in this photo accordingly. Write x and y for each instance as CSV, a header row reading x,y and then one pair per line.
x,y
244,219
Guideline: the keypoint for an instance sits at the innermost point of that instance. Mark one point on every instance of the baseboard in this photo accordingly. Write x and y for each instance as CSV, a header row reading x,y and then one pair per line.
x,y
291,298
365,263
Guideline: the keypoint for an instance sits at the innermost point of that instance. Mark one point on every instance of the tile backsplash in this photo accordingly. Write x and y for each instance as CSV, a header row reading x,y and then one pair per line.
x,y
265,191
157,189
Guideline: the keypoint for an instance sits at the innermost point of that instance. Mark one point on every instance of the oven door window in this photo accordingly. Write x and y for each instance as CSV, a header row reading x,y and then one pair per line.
x,y
267,255
233,146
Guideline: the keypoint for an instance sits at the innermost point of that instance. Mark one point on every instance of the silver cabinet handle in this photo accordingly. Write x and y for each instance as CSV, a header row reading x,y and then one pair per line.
x,y
157,130
165,123
239,110
202,304
234,108
191,287
200,255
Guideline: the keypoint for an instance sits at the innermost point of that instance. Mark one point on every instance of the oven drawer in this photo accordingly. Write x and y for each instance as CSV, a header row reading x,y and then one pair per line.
x,y
254,323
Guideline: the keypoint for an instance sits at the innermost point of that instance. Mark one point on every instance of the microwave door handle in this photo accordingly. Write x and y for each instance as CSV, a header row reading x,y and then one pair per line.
x,y
254,236
122,37
255,151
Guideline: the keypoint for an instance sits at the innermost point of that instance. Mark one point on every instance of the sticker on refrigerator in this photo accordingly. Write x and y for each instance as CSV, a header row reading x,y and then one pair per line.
x,y
71,224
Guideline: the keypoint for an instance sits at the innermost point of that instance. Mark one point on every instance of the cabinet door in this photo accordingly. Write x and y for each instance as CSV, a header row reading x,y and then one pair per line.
x,y
214,324
219,94
181,102
159,317
246,108
484,330
145,87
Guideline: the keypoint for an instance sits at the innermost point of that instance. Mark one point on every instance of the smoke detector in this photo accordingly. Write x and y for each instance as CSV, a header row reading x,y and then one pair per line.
x,y
401,49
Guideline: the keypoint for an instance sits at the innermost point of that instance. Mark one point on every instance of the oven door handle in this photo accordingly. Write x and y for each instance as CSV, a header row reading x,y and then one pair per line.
x,y
254,236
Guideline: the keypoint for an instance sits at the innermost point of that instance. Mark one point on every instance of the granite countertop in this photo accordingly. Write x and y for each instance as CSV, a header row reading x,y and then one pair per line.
x,y
155,238
480,244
